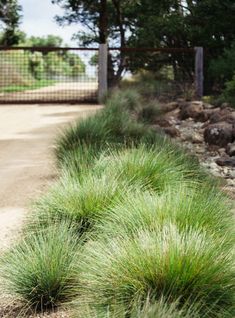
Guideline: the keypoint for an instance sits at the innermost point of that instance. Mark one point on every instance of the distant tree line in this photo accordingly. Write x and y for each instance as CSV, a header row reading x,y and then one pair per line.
x,y
160,23
147,23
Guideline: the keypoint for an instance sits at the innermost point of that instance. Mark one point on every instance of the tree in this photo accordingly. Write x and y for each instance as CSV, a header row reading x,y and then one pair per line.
x,y
156,23
102,20
10,15
45,41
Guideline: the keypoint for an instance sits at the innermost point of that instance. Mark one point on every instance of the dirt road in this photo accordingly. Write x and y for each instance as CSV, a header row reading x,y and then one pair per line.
x,y
27,135
70,91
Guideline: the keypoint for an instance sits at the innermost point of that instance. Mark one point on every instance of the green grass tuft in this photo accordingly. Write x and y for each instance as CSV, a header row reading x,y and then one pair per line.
x,y
195,207
153,167
42,270
81,203
189,267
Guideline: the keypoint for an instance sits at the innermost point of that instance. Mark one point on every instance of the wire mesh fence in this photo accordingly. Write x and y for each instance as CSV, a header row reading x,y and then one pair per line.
x,y
162,73
48,75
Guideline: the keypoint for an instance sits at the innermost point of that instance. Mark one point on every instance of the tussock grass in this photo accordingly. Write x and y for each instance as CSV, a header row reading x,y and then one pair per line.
x,y
42,270
166,263
195,207
116,124
133,228
148,309
81,203
155,168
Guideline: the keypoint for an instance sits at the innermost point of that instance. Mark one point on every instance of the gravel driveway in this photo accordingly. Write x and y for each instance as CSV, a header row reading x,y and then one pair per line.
x,y
27,167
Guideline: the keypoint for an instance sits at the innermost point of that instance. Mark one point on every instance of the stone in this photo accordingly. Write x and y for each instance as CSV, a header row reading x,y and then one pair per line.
x,y
230,149
172,131
162,122
224,105
229,162
170,106
197,138
226,114
208,106
192,110
219,134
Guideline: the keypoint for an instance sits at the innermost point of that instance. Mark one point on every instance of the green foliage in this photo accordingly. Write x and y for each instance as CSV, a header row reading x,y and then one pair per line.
x,y
23,69
188,206
222,68
178,24
82,203
47,41
229,92
153,168
133,228
165,262
155,309
117,124
42,270
10,15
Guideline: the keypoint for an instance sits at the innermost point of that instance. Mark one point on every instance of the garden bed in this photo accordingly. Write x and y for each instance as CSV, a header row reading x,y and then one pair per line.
x,y
134,227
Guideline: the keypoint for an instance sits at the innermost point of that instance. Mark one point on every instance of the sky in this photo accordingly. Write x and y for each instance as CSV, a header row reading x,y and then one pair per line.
x,y
38,20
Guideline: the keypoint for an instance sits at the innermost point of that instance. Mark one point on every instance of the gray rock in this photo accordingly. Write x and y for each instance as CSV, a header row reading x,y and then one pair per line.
x,y
219,134
170,106
172,131
192,110
197,138
230,149
229,162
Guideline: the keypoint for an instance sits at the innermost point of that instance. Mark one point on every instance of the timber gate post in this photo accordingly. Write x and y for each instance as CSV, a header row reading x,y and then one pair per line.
x,y
199,77
103,71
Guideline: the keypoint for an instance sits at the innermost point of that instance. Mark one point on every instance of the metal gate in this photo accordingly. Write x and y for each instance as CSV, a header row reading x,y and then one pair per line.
x,y
48,75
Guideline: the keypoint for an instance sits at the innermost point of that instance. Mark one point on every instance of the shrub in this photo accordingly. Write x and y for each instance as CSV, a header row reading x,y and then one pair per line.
x,y
229,92
149,112
42,270
189,267
81,203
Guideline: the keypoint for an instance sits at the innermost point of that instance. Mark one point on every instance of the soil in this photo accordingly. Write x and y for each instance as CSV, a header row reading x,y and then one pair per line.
x,y
27,166
60,92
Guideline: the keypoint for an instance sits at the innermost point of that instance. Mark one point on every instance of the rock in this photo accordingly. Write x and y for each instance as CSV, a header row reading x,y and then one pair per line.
x,y
170,106
226,114
208,106
221,151
162,122
172,131
219,134
197,139
230,149
192,110
224,105
232,174
229,162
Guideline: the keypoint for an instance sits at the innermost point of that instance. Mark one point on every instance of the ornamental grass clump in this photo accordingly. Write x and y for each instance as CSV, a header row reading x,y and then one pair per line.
x,y
201,208
82,203
148,309
154,168
117,123
42,270
190,267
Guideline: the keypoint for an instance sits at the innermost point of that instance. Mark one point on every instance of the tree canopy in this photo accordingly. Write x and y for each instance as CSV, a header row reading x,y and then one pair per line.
x,y
10,16
154,23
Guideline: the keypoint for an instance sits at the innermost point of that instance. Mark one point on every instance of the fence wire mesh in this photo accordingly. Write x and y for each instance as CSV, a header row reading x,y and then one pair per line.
x,y
48,75
163,73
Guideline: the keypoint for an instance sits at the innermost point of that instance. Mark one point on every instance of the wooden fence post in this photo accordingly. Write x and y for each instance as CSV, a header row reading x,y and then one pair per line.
x,y
199,77
103,71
